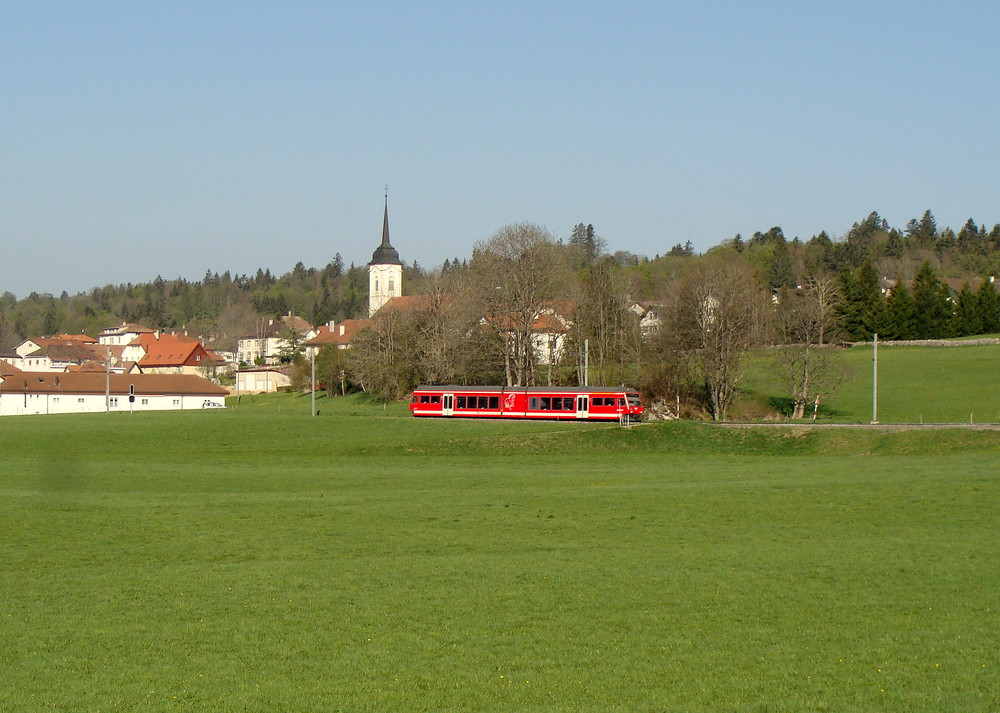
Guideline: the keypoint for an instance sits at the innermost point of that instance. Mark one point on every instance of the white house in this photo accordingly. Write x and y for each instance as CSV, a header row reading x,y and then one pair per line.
x,y
123,334
261,380
269,341
32,392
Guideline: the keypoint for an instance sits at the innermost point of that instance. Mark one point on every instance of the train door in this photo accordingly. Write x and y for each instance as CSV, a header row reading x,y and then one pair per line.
x,y
448,405
582,406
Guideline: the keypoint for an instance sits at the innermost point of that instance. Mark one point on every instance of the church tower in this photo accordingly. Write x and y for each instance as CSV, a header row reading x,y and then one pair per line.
x,y
385,271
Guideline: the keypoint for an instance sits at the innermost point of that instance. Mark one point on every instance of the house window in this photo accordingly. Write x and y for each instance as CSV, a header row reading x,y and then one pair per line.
x,y
79,401
392,285
145,402
55,400
114,402
177,402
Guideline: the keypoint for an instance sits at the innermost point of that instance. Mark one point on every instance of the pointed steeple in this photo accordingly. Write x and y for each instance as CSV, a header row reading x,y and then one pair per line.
x,y
385,254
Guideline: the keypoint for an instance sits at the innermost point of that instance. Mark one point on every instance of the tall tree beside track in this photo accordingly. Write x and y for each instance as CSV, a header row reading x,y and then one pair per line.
x,y
720,313
809,368
602,318
517,271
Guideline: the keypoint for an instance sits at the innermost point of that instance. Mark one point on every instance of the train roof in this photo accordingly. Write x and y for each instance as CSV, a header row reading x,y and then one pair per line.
x,y
527,389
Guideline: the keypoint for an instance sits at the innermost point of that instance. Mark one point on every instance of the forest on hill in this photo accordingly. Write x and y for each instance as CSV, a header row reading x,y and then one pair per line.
x,y
222,306
480,316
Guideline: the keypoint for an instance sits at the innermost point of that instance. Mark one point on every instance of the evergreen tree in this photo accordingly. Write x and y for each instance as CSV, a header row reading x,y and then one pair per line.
x,y
970,238
780,273
922,233
967,319
933,314
901,313
989,307
863,309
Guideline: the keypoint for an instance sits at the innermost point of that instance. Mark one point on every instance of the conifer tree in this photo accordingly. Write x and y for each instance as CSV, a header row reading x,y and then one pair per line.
x,y
989,307
967,318
933,314
901,313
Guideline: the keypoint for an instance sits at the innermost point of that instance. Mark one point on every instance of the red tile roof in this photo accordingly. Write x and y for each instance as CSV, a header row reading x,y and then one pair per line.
x,y
47,382
343,333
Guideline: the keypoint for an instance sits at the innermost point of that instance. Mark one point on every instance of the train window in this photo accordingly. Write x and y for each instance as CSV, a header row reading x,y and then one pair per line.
x,y
567,404
621,403
533,403
546,403
459,402
633,400
413,399
494,402
483,402
424,398
435,399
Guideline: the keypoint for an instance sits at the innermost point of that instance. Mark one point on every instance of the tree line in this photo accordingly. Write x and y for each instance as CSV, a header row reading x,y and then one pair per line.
x,y
477,320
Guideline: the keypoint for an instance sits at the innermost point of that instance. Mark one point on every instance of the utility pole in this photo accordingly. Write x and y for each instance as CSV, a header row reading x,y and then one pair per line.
x,y
875,379
586,362
107,380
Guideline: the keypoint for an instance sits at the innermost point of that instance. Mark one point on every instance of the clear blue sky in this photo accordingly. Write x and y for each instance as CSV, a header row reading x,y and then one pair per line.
x,y
143,138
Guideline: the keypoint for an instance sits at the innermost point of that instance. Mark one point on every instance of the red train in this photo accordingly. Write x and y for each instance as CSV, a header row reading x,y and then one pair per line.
x,y
602,403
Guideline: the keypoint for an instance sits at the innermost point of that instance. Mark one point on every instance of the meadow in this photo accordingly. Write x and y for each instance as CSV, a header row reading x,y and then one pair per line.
x,y
916,385
259,559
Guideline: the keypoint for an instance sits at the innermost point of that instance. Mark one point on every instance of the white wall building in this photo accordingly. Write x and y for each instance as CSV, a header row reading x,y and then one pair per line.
x,y
28,392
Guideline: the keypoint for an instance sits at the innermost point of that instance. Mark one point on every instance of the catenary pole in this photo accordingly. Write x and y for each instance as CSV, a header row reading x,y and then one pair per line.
x,y
875,378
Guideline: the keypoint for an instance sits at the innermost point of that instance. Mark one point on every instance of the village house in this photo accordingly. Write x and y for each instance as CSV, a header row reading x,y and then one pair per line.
x,y
166,354
272,340
336,334
261,380
57,357
123,334
32,392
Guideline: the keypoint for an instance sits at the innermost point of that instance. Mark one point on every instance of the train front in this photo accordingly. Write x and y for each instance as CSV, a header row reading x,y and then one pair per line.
x,y
633,406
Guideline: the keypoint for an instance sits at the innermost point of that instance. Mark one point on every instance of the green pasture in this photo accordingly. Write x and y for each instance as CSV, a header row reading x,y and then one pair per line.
x,y
915,385
259,559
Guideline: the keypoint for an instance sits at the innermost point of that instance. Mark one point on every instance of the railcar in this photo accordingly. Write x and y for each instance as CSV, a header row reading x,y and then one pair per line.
x,y
593,403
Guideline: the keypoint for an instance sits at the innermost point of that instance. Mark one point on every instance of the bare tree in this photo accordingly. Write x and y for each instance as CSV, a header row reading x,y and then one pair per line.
x,y
517,271
602,318
809,368
237,320
382,357
720,313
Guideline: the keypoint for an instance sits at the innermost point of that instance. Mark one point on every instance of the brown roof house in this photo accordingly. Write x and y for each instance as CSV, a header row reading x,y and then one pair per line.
x,y
33,392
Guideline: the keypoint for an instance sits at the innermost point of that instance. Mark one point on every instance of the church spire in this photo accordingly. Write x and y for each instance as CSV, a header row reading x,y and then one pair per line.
x,y
385,254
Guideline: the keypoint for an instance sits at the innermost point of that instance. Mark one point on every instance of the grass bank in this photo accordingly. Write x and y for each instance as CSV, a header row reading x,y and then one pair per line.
x,y
258,559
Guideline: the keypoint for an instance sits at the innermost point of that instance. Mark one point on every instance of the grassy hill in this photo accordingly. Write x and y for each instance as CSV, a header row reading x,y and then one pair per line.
x,y
258,559
916,384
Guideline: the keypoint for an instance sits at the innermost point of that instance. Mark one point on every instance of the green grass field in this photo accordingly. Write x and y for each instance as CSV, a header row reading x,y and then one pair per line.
x,y
258,559
916,385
